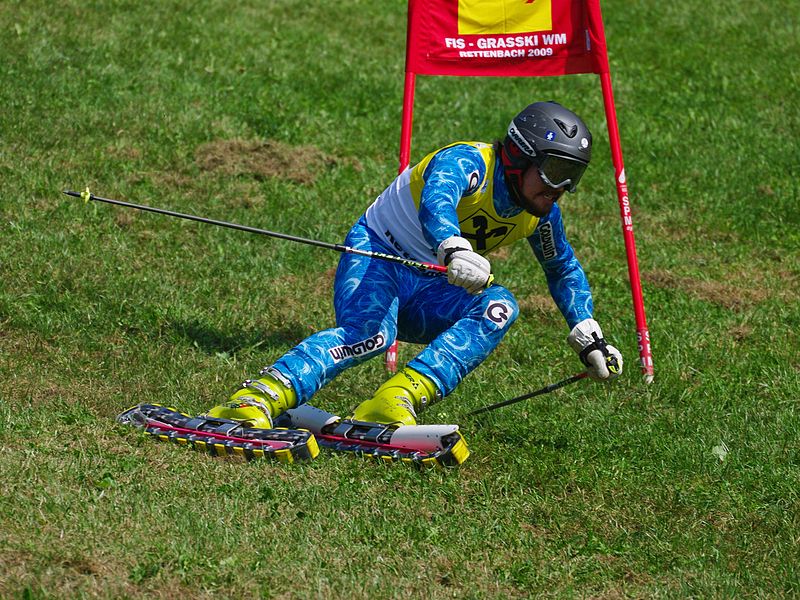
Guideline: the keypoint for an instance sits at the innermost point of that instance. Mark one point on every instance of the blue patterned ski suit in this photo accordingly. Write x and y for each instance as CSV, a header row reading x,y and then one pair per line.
x,y
457,190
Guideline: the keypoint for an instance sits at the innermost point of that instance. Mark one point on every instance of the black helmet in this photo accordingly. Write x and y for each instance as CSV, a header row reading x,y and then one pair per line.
x,y
553,139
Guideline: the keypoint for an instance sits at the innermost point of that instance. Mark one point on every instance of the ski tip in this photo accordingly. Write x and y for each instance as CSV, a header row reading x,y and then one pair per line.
x,y
458,452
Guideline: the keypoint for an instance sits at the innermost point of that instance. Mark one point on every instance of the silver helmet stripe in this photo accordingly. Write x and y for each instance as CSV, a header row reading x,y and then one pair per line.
x,y
523,144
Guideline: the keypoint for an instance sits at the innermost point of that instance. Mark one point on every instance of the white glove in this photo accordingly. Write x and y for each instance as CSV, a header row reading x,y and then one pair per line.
x,y
465,268
603,362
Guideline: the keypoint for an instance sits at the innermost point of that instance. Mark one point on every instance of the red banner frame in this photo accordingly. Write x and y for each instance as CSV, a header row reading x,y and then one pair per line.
x,y
563,37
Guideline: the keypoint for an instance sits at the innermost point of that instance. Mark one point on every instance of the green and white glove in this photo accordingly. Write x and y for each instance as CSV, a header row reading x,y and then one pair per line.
x,y
465,267
603,361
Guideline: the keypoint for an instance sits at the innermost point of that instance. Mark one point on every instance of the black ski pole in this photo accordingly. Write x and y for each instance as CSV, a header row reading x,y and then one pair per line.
x,y
545,390
423,266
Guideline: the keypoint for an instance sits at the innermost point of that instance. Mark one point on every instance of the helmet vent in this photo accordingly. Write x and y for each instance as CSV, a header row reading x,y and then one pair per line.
x,y
570,132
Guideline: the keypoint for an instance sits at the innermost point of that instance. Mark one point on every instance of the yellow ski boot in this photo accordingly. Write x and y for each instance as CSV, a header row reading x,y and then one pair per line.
x,y
259,402
398,401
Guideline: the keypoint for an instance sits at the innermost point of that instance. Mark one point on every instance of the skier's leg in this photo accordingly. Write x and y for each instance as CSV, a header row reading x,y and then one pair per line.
x,y
461,331
399,399
366,303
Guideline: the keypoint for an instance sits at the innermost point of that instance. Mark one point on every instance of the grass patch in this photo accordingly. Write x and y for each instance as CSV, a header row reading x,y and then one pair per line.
x,y
287,117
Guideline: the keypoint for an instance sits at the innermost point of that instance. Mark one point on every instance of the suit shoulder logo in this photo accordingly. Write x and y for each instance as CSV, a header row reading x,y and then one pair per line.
x,y
474,182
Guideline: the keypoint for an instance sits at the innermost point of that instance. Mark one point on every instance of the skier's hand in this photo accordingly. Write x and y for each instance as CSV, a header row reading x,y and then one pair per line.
x,y
603,362
465,268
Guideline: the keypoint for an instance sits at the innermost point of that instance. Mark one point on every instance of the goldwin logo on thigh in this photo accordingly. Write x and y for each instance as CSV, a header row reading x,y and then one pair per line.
x,y
339,353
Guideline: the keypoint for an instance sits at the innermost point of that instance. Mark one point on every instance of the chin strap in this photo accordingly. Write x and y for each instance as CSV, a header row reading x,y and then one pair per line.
x,y
511,175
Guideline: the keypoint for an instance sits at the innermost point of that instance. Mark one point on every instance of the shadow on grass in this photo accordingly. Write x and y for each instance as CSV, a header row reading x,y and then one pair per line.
x,y
515,438
214,341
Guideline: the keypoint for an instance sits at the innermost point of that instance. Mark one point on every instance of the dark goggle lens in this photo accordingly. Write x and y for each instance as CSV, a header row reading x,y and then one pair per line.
x,y
558,172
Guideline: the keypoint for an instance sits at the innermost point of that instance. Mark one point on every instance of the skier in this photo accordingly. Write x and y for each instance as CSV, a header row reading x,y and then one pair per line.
x,y
456,206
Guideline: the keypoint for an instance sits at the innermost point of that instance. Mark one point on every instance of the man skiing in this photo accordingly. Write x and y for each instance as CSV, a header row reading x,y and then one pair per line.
x,y
455,207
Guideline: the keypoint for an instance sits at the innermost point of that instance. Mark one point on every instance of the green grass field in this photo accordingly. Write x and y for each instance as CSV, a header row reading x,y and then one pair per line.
x,y
286,116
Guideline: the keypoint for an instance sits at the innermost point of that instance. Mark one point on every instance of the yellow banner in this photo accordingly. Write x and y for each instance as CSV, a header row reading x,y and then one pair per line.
x,y
504,16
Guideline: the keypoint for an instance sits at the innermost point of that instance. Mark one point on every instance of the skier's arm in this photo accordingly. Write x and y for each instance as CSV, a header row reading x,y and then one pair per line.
x,y
566,278
454,172
570,290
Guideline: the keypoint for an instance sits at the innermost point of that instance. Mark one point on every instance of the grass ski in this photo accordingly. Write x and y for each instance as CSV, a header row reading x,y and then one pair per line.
x,y
454,452
221,437
419,445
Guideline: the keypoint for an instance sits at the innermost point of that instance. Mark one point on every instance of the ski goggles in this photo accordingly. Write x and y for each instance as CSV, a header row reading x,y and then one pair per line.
x,y
560,172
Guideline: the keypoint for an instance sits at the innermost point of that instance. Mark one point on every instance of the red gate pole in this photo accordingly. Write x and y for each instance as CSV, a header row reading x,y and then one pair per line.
x,y
642,332
405,156
598,35
408,117
390,360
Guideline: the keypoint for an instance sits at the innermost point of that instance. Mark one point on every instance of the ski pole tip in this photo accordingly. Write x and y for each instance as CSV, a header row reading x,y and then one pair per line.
x,y
85,195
